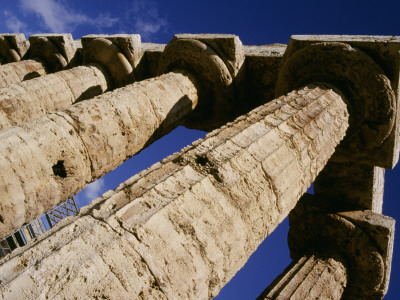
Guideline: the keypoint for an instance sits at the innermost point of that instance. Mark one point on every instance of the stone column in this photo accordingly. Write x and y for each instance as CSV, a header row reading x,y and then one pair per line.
x,y
46,54
22,70
185,226
58,154
22,102
353,179
30,99
82,143
311,277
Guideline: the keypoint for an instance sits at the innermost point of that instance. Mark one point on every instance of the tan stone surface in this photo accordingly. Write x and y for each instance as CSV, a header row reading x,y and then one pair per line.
x,y
19,71
309,278
30,99
185,226
50,158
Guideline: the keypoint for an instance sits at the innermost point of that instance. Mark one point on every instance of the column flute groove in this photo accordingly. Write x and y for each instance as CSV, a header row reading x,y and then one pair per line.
x,y
209,206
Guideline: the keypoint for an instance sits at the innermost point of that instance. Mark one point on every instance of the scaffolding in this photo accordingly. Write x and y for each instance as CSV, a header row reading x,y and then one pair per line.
x,y
38,226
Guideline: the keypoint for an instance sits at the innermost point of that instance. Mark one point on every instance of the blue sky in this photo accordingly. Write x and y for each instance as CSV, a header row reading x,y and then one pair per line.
x,y
256,23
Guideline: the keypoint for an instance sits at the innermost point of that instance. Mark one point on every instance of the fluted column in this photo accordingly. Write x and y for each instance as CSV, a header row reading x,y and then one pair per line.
x,y
58,154
185,226
30,99
82,143
46,54
311,277
107,67
19,71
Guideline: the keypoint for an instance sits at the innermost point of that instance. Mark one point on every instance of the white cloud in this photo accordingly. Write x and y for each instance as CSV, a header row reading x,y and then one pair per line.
x,y
14,24
144,18
58,17
94,189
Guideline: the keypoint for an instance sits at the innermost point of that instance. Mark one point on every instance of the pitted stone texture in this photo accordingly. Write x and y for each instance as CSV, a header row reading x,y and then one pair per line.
x,y
46,160
350,186
12,47
364,239
196,217
85,259
20,71
309,278
371,101
22,102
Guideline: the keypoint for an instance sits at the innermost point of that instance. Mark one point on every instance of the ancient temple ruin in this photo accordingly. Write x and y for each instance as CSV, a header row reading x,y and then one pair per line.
x,y
322,109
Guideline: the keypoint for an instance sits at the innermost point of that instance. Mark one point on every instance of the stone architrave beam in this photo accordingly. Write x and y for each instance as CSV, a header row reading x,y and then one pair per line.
x,y
46,54
350,186
30,99
185,226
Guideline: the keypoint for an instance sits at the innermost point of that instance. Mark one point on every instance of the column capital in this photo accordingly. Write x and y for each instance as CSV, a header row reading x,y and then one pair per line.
x,y
366,71
363,238
215,60
56,51
120,54
12,47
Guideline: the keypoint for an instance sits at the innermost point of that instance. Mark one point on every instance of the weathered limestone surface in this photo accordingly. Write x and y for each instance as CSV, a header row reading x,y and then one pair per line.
x,y
30,99
309,278
185,226
107,67
120,54
82,143
19,71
